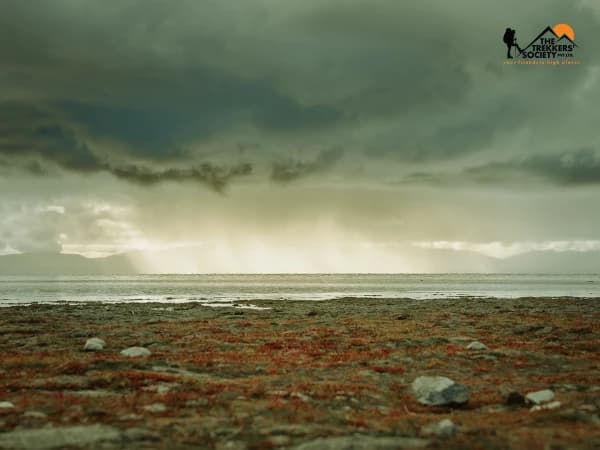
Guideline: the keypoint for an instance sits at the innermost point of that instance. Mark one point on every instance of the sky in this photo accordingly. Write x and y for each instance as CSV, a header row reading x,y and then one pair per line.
x,y
278,135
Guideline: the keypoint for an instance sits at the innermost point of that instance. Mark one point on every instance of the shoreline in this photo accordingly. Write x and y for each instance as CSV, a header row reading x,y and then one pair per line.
x,y
249,302
285,377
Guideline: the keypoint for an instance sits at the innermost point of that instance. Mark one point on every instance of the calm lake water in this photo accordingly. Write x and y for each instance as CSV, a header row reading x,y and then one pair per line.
x,y
224,289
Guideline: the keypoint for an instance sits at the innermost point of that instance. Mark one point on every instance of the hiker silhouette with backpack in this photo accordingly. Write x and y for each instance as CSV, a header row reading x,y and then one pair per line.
x,y
511,41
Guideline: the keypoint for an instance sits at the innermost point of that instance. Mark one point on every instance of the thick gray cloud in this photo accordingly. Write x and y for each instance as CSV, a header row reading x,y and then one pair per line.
x,y
33,137
574,168
412,84
338,100
289,170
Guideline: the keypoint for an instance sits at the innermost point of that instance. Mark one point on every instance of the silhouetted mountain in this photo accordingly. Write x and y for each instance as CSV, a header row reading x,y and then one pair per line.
x,y
416,260
546,30
564,37
61,264
552,262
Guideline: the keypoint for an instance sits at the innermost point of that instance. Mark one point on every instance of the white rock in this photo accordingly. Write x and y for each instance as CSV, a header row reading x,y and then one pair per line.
x,y
439,391
155,408
141,434
539,397
94,344
231,445
546,406
475,345
35,414
6,405
135,352
444,429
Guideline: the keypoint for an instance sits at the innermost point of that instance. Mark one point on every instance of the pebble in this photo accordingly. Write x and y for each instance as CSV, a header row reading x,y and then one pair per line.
x,y
515,399
439,391
231,445
545,330
94,344
60,437
545,406
141,434
155,408
444,429
475,345
301,396
35,415
279,441
135,352
6,405
539,397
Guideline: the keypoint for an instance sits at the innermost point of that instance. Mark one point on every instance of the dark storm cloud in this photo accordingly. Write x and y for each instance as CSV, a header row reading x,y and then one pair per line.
x,y
206,103
570,168
214,176
287,171
27,130
32,137
576,167
163,82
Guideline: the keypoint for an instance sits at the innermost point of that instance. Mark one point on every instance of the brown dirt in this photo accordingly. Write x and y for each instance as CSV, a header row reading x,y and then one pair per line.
x,y
252,379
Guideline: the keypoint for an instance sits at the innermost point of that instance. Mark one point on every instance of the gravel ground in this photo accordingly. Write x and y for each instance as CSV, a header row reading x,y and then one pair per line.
x,y
305,375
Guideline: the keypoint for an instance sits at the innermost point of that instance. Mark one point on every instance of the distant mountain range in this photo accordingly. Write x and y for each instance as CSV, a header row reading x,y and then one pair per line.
x,y
61,264
420,260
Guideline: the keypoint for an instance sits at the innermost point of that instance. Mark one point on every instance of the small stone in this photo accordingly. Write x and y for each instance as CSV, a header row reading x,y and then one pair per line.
x,y
35,415
439,391
544,330
92,393
545,406
155,408
94,344
231,445
301,396
475,345
444,429
6,405
130,417
197,403
141,434
515,399
539,397
279,441
135,352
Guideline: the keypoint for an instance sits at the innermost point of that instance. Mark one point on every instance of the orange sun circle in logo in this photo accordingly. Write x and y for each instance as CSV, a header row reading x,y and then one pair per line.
x,y
564,29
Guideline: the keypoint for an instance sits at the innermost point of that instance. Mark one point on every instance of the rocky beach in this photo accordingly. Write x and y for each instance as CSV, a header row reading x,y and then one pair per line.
x,y
343,374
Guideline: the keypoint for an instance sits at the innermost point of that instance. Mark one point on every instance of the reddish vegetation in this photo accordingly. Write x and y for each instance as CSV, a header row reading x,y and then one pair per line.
x,y
340,371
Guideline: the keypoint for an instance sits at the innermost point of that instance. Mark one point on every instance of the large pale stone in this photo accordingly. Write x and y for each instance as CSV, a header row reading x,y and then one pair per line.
x,y
136,352
439,391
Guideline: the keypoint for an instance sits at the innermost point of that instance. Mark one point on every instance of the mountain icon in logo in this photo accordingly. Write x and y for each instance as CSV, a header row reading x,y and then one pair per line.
x,y
565,32
564,38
